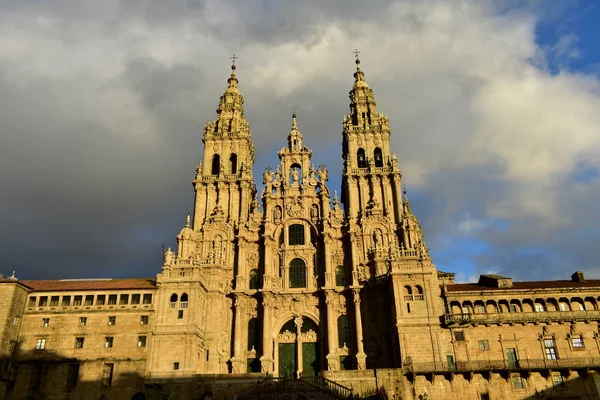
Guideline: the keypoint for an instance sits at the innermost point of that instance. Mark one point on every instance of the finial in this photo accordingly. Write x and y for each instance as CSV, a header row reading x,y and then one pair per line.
x,y
358,75
294,123
233,58
187,221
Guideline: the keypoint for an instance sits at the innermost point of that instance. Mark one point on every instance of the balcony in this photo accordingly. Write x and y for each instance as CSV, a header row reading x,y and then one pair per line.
x,y
521,317
500,366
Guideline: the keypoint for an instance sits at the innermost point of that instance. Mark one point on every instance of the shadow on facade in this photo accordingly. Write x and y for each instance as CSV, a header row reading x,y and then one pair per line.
x,y
45,374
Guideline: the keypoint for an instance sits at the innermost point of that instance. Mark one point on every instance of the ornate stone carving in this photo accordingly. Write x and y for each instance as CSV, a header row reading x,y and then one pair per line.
x,y
286,337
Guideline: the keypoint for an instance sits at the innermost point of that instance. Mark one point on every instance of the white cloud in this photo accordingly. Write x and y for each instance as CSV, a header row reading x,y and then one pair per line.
x,y
479,127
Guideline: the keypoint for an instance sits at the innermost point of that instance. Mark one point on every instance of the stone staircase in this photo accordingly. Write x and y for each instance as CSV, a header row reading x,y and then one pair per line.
x,y
309,388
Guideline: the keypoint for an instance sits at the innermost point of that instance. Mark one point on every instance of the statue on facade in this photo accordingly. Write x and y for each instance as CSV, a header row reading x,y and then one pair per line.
x,y
323,174
169,257
295,176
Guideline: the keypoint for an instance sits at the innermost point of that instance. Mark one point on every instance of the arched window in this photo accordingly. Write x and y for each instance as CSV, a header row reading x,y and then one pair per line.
x,y
296,235
340,276
253,334
344,332
297,273
216,165
378,157
174,298
233,163
361,159
184,298
254,279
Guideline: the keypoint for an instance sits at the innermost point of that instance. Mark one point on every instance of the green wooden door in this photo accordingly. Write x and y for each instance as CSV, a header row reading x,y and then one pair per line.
x,y
287,360
311,360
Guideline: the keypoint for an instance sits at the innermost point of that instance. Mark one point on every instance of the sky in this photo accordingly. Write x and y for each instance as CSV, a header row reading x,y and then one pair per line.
x,y
494,108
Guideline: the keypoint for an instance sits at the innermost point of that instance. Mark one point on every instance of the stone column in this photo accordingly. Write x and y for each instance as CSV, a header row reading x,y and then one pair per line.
x,y
298,322
266,361
361,357
237,361
333,362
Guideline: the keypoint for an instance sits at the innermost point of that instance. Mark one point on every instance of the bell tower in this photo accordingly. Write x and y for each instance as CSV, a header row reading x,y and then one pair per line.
x,y
386,243
224,185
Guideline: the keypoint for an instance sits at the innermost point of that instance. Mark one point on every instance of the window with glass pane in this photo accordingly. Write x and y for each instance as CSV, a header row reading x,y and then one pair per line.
x,y
296,235
484,345
558,380
297,273
340,276
577,342
254,279
40,344
135,299
550,349
539,307
343,331
517,382
147,299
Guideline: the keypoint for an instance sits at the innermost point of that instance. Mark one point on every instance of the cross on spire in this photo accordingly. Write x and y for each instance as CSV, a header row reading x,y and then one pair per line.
x,y
294,110
356,53
233,58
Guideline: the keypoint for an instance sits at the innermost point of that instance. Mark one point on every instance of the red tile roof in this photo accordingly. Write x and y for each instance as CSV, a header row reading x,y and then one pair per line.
x,y
529,285
89,284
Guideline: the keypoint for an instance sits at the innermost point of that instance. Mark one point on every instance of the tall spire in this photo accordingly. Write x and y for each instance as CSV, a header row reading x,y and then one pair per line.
x,y
230,113
295,137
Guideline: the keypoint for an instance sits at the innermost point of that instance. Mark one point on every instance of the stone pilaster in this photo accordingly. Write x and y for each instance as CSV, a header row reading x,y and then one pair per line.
x,y
361,357
333,362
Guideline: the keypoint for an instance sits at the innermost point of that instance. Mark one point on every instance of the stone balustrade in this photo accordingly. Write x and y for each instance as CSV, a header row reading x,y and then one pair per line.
x,y
521,317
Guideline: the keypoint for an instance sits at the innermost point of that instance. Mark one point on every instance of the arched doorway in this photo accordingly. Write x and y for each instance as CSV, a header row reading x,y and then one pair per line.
x,y
299,348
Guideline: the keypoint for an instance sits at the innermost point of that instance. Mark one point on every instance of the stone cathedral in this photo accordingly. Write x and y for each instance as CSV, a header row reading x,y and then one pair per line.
x,y
285,285
298,293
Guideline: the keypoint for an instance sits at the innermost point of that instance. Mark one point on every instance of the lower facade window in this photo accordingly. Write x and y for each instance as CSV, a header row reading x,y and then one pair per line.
x,y
108,341
79,343
518,382
141,341
550,349
176,366
484,345
558,380
40,344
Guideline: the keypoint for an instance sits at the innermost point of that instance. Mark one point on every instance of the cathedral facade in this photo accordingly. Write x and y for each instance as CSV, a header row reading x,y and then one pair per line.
x,y
286,281
297,282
